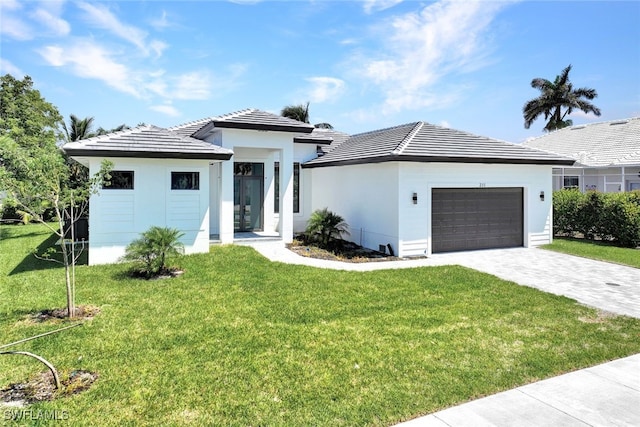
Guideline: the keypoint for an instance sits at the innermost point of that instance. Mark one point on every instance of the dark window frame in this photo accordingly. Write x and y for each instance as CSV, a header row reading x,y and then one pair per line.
x,y
119,182
191,181
296,187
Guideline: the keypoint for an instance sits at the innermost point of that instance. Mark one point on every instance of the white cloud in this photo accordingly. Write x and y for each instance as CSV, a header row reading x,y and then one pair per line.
x,y
444,38
445,124
89,60
193,85
371,6
167,109
160,23
15,28
10,5
325,89
7,67
57,25
100,16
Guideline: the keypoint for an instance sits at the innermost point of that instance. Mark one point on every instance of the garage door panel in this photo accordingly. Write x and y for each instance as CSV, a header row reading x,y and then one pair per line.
x,y
476,218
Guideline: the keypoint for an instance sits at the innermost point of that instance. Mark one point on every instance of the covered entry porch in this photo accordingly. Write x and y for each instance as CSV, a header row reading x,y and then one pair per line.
x,y
251,196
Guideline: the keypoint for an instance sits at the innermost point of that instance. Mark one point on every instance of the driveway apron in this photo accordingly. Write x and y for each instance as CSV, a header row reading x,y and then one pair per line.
x,y
607,286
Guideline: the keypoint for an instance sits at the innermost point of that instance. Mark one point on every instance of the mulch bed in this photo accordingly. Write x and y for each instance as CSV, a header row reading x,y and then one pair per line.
x,y
42,387
345,251
82,312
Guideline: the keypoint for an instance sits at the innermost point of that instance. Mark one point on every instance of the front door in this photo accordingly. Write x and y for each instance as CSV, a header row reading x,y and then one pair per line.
x,y
248,190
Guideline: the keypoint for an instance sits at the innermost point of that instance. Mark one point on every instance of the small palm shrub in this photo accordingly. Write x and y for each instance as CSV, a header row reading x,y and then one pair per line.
x,y
326,228
153,249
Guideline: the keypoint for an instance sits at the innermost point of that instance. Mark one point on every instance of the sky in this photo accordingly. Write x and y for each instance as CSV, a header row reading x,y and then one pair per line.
x,y
362,65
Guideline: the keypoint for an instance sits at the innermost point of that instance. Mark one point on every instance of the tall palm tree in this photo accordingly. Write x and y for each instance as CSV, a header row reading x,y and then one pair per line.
x,y
554,97
298,112
103,131
78,128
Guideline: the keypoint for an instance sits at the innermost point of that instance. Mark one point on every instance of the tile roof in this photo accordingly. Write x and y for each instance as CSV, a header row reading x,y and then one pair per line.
x,y
147,141
252,119
611,143
424,142
327,137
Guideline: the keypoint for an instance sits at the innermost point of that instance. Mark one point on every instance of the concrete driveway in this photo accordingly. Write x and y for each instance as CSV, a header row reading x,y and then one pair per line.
x,y
603,285
607,286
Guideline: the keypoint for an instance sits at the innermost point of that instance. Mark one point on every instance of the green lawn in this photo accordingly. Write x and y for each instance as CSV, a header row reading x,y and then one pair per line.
x,y
238,340
596,250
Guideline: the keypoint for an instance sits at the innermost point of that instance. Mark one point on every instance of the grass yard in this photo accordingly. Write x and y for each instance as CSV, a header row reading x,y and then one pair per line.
x,y
238,340
596,250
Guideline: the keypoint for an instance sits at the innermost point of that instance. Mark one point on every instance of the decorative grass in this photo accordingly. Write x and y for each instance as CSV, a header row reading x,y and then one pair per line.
x,y
596,250
238,340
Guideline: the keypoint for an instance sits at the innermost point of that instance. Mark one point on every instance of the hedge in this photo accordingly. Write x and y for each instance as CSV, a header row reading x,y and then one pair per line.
x,y
612,217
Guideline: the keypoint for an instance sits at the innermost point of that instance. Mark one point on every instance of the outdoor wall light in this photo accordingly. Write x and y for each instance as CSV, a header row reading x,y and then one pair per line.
x,y
415,198
542,196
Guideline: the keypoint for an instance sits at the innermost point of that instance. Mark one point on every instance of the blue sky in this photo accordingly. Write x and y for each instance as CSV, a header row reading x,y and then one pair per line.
x,y
363,65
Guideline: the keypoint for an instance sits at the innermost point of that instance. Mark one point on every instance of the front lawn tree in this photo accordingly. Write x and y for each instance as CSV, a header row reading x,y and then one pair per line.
x,y
35,180
557,100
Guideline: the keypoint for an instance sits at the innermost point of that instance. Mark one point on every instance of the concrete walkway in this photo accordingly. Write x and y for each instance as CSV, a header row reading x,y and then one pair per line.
x,y
603,395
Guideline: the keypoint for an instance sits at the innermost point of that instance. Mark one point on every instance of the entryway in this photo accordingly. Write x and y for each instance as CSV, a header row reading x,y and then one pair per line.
x,y
248,196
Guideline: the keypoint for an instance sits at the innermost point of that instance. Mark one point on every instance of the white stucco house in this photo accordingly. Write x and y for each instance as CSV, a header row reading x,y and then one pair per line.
x,y
416,188
607,155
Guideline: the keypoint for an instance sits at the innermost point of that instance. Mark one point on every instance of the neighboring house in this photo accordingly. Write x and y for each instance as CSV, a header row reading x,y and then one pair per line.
x,y
418,188
607,155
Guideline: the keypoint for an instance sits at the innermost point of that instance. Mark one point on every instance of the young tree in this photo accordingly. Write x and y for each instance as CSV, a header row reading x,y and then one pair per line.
x,y
554,97
35,180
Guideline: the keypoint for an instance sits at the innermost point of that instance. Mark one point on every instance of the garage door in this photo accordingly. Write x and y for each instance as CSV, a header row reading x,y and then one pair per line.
x,y
476,218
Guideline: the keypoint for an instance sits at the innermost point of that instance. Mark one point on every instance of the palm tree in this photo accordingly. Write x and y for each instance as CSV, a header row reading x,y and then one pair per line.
x,y
103,131
555,96
300,113
78,128
326,228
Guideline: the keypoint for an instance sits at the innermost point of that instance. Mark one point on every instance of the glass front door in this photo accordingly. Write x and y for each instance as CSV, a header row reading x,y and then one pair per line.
x,y
248,188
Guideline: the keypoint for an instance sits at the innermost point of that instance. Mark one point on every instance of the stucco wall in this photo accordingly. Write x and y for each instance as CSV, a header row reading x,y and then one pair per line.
x,y
377,199
117,217
366,196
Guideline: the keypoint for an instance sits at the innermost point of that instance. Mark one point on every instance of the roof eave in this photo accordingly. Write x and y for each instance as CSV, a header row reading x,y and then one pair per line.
x,y
262,126
441,159
299,140
148,154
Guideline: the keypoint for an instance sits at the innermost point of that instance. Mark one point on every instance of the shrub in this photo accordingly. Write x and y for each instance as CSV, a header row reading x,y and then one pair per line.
x,y
607,216
325,228
566,211
153,249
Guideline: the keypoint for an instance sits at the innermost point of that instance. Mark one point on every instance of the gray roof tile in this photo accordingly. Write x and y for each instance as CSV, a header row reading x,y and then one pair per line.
x,y
611,143
147,141
246,119
424,142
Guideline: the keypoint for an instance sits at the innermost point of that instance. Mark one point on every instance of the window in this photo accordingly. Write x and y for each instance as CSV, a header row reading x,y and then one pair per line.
x,y
185,180
296,187
570,182
120,180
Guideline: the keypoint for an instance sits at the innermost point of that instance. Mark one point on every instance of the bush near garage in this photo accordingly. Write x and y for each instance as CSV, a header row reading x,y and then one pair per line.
x,y
613,217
